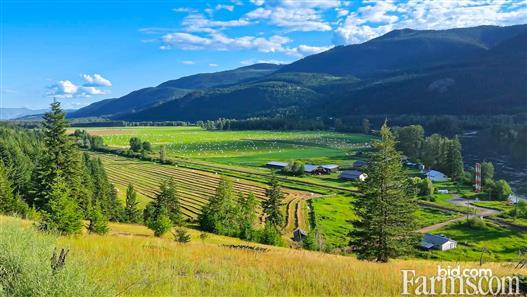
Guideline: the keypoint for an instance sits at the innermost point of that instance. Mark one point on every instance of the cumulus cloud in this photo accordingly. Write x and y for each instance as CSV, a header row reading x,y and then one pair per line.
x,y
95,80
187,62
224,6
197,22
380,17
92,85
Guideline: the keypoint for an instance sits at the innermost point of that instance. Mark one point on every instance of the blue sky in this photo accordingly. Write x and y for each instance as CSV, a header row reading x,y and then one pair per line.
x,y
86,51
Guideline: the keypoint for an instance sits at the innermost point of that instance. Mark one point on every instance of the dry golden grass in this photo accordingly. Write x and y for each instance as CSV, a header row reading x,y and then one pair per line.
x,y
137,264
134,263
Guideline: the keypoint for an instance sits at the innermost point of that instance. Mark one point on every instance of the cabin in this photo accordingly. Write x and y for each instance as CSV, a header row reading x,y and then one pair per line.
x,y
299,235
442,191
436,176
331,167
360,164
438,242
277,165
353,175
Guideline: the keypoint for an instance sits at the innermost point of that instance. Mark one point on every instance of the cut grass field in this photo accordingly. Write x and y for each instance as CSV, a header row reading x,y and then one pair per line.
x,y
429,216
247,148
194,187
131,262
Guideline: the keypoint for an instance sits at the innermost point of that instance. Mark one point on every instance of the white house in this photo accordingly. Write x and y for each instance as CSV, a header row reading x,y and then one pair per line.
x,y
436,176
442,191
438,242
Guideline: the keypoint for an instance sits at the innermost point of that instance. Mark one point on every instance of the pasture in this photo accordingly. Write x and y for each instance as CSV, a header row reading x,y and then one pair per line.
x,y
131,262
248,148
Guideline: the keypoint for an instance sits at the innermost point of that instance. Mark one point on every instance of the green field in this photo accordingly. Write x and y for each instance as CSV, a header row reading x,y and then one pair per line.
x,y
502,244
430,216
334,216
252,148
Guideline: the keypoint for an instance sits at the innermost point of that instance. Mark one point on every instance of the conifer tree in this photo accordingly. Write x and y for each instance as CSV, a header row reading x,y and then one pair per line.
x,y
158,220
57,158
272,205
181,236
162,154
6,192
221,214
385,228
454,159
169,199
131,212
62,214
247,215
98,221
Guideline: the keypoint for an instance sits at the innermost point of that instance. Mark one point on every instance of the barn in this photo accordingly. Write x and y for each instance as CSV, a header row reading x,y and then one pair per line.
x,y
438,242
353,175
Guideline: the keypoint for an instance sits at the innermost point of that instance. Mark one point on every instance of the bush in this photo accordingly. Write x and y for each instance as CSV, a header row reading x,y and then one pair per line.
x,y
181,236
270,235
25,266
159,223
98,222
476,223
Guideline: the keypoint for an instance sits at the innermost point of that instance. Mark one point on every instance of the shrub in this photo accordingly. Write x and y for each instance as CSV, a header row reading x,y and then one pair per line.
x,y
476,223
25,266
98,222
181,236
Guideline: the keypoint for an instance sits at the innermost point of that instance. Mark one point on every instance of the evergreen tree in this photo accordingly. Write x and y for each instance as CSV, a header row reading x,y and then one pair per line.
x,y
131,212
6,193
221,214
62,214
271,235
315,240
169,198
386,211
247,215
181,236
98,222
159,221
454,159
487,172
57,160
272,205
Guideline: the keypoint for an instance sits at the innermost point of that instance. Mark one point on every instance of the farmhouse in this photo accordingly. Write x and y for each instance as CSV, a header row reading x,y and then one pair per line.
x,y
331,167
299,235
360,164
276,165
353,175
438,242
436,176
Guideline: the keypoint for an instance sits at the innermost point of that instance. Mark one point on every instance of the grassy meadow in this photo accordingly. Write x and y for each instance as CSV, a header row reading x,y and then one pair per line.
x,y
131,262
248,148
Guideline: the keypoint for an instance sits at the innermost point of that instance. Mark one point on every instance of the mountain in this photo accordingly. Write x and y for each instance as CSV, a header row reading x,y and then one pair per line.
x,y
173,89
405,50
13,113
458,71
209,80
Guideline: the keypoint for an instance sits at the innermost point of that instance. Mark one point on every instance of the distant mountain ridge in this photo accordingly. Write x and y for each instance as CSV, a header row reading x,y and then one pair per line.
x,y
13,113
458,71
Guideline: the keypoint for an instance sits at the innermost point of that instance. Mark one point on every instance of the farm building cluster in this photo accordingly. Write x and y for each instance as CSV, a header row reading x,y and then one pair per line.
x,y
354,174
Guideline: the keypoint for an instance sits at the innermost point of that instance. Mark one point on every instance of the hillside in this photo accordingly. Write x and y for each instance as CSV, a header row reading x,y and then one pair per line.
x,y
171,90
13,113
458,71
131,262
405,50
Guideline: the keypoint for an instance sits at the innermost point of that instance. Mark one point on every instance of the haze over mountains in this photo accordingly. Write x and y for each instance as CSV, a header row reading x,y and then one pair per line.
x,y
458,71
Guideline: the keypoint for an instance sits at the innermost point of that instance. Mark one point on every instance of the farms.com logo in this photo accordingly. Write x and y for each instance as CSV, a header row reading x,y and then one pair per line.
x,y
459,281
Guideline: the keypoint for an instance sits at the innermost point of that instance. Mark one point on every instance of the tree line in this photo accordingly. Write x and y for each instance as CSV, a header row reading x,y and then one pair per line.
x,y
44,176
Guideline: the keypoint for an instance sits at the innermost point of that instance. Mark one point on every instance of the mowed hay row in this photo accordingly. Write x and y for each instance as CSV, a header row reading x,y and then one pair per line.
x,y
194,187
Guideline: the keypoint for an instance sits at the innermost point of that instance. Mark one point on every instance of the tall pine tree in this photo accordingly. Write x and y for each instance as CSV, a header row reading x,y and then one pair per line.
x,y
221,214
272,205
247,215
385,228
131,212
454,159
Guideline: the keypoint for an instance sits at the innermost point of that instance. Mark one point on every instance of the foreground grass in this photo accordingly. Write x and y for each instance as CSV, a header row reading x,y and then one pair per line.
x,y
133,263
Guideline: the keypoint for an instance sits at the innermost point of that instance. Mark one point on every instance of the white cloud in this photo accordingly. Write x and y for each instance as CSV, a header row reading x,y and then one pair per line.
x,y
220,42
269,61
224,6
91,86
380,17
291,18
197,22
187,62
213,65
96,80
